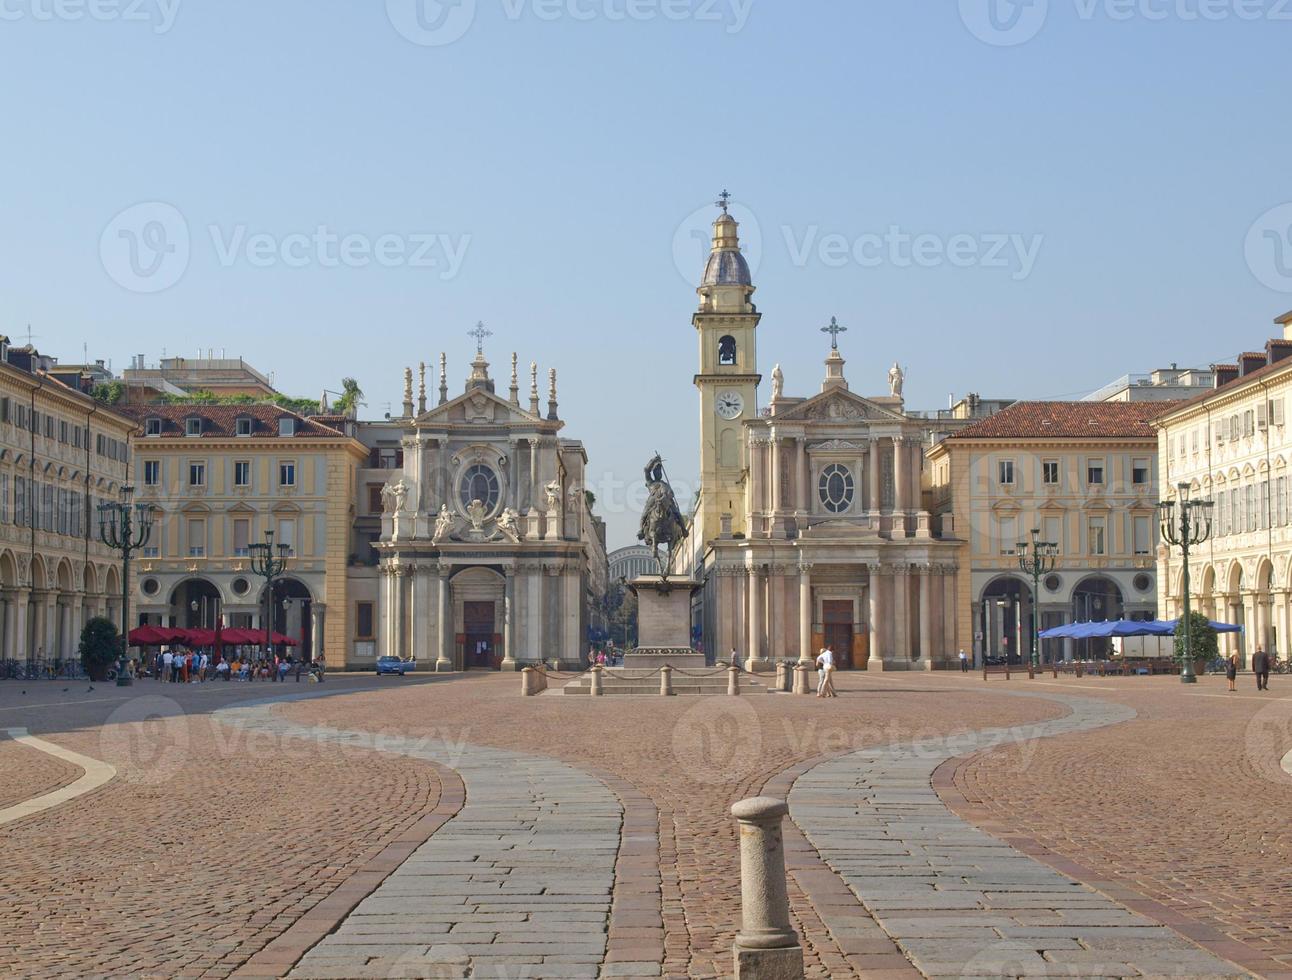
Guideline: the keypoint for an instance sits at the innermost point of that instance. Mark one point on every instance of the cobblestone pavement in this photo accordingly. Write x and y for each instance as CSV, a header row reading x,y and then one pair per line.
x,y
693,757
959,902
1186,805
26,772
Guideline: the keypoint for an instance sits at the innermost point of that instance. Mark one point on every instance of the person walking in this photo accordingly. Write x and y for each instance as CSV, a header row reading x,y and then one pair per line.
x,y
825,667
1231,670
321,662
964,662
165,663
300,666
1261,668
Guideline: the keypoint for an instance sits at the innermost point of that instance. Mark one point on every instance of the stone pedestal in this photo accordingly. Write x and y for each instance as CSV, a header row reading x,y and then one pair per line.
x,y
664,624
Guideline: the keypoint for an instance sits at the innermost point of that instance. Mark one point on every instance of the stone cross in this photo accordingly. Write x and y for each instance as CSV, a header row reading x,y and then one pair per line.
x,y
480,333
834,330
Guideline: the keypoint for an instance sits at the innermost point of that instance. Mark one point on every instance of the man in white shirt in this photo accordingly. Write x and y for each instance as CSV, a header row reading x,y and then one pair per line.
x,y
825,667
964,662
168,661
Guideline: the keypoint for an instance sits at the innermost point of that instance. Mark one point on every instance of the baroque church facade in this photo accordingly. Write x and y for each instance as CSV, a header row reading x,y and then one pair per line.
x,y
490,557
809,528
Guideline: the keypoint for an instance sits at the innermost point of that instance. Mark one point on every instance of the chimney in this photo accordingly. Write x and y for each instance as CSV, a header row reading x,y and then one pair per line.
x,y
1225,373
1249,361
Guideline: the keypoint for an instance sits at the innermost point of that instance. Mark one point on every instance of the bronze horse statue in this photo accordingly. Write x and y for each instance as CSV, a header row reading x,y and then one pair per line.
x,y
662,523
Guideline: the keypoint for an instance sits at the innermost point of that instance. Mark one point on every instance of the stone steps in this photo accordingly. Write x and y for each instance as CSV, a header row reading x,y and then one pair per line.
x,y
613,683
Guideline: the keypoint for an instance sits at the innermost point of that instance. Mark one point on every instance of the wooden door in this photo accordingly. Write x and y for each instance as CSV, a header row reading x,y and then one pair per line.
x,y
837,617
478,633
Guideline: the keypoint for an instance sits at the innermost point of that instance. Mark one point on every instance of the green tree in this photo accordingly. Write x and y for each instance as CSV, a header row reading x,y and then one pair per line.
x,y
351,397
1205,646
100,647
108,392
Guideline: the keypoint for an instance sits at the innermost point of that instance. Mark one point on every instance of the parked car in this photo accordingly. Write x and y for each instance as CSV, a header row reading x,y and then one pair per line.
x,y
393,665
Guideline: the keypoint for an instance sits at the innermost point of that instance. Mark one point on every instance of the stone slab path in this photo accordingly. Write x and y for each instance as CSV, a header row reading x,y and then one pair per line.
x,y
958,902
518,884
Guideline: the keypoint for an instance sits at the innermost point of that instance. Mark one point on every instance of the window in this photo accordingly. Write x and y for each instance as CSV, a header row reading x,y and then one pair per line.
x,y
1095,473
374,498
196,538
836,488
1222,514
1050,472
1276,411
1264,491
1143,535
1005,473
1053,531
1249,423
727,350
20,501
197,474
193,426
152,472
242,425
152,427
1280,501
1236,510
242,473
1095,536
287,474
480,483
1139,470
1008,535
241,536
1250,493
363,620
287,535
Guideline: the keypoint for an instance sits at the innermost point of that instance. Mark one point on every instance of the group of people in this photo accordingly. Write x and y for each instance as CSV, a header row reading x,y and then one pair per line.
x,y
196,667
1262,662
609,657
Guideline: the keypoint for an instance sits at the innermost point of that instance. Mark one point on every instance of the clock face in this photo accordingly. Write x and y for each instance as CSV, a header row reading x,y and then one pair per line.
x,y
730,405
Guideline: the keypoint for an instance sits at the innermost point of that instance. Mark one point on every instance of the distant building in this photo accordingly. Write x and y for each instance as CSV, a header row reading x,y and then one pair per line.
x,y
1163,385
180,376
628,563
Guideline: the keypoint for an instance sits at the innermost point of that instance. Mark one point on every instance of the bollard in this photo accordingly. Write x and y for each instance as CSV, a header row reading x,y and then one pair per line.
x,y
787,685
596,682
766,946
781,668
1031,672
1054,667
800,679
528,685
733,680
666,681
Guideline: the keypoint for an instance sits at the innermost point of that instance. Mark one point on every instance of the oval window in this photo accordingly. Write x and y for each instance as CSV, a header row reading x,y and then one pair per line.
x,y
480,483
836,488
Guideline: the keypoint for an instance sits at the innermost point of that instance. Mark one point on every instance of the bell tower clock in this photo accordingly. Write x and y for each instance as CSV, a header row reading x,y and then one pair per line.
x,y
726,325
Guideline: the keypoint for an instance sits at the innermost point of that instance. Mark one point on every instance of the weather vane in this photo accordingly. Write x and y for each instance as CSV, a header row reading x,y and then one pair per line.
x,y
723,200
480,333
834,330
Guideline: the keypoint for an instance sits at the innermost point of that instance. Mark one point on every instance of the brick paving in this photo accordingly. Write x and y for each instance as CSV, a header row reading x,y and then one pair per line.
x,y
26,772
1185,807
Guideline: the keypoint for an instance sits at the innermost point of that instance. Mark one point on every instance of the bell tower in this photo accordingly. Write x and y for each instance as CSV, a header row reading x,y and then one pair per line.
x,y
726,325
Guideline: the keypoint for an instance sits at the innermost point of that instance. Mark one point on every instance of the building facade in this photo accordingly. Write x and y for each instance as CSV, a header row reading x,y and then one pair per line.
x,y
1084,474
809,528
490,557
61,455
1231,445
219,478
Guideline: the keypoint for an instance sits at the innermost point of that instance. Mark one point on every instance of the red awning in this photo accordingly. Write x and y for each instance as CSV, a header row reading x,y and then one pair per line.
x,y
148,636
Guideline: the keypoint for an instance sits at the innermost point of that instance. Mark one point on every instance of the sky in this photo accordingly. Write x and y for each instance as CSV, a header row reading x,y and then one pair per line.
x,y
1020,200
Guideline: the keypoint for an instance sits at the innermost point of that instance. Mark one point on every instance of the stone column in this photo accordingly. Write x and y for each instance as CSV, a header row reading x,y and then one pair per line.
x,y
49,622
778,496
533,501
950,635
926,616
872,475
804,478
444,653
508,611
756,475
318,630
805,613
901,476
875,660
399,611
569,636
21,648
422,651
755,644
384,624
75,616
534,611
1285,624
901,602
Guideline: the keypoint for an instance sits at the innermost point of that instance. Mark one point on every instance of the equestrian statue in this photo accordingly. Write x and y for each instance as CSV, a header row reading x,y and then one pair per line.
x,y
662,523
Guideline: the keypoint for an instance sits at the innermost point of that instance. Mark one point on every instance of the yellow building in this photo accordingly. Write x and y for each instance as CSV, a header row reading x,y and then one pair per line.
x,y
221,477
1084,474
61,455
1231,445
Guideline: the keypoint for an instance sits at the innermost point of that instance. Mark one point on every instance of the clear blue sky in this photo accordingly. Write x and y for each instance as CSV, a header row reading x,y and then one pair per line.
x,y
565,145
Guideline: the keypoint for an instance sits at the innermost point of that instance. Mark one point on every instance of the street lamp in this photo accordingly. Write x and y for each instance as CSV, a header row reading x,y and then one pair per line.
x,y
268,565
1036,558
1185,531
125,527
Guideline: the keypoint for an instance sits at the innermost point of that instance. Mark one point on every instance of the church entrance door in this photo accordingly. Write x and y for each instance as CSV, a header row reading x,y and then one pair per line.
x,y
480,641
837,620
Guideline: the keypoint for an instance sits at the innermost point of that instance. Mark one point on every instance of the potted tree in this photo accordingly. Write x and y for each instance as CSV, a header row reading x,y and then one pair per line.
x,y
1206,648
100,647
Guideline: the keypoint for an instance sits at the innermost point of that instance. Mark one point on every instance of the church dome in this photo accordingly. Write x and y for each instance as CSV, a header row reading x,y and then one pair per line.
x,y
726,265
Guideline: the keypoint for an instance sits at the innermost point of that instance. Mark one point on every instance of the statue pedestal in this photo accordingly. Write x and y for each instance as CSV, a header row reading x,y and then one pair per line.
x,y
664,623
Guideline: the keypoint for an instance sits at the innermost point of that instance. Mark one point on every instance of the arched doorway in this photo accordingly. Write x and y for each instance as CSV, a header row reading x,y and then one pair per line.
x,y
293,615
1005,612
195,604
1096,600
478,600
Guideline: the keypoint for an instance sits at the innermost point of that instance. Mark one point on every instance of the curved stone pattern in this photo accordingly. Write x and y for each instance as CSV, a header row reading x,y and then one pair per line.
x,y
959,902
519,883
94,774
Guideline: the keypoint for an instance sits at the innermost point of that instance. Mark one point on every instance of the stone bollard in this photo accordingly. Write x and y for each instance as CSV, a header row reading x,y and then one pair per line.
x,y
1031,672
788,684
766,947
528,683
596,682
800,679
666,681
733,680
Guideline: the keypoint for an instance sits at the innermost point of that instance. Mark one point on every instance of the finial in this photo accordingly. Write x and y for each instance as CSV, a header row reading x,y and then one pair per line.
x,y
421,388
834,330
480,333
515,380
408,392
551,394
444,377
724,199
533,387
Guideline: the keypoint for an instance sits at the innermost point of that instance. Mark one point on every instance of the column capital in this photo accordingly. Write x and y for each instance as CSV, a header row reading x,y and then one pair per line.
x,y
876,568
805,567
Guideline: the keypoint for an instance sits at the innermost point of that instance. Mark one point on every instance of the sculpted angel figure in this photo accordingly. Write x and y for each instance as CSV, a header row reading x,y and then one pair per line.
x,y
507,524
553,491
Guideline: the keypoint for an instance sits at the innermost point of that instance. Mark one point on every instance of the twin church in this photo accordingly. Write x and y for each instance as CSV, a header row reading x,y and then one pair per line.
x,y
808,529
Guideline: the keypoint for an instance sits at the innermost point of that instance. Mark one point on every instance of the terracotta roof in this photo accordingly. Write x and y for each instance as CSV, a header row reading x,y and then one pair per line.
x,y
220,421
1068,420
1227,387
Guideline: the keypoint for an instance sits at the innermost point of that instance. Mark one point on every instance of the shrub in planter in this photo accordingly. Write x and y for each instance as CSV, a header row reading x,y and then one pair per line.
x,y
100,647
1205,646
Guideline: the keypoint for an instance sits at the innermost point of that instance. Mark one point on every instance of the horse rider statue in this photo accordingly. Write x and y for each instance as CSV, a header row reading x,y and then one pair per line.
x,y
662,523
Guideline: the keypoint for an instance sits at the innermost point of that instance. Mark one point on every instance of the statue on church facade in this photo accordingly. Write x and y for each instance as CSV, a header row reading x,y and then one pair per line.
x,y
778,383
443,524
662,522
896,380
508,524
476,514
394,495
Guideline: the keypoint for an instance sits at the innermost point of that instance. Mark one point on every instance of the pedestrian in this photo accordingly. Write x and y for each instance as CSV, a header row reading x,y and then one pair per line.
x,y
825,673
167,660
201,668
1261,667
321,663
964,662
1231,670
300,665
283,667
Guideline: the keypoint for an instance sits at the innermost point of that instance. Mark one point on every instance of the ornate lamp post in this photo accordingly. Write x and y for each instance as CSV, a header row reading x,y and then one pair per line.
x,y
1036,558
268,565
1185,531
125,527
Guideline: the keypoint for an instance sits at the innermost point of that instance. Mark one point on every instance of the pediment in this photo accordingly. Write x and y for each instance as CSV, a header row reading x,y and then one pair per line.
x,y
479,406
839,405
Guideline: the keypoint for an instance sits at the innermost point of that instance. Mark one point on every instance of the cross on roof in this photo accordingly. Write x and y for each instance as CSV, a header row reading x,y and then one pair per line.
x,y
723,200
480,333
834,330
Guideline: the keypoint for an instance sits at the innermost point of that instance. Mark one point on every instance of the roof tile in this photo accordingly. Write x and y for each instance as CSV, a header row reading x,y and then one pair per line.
x,y
1068,420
